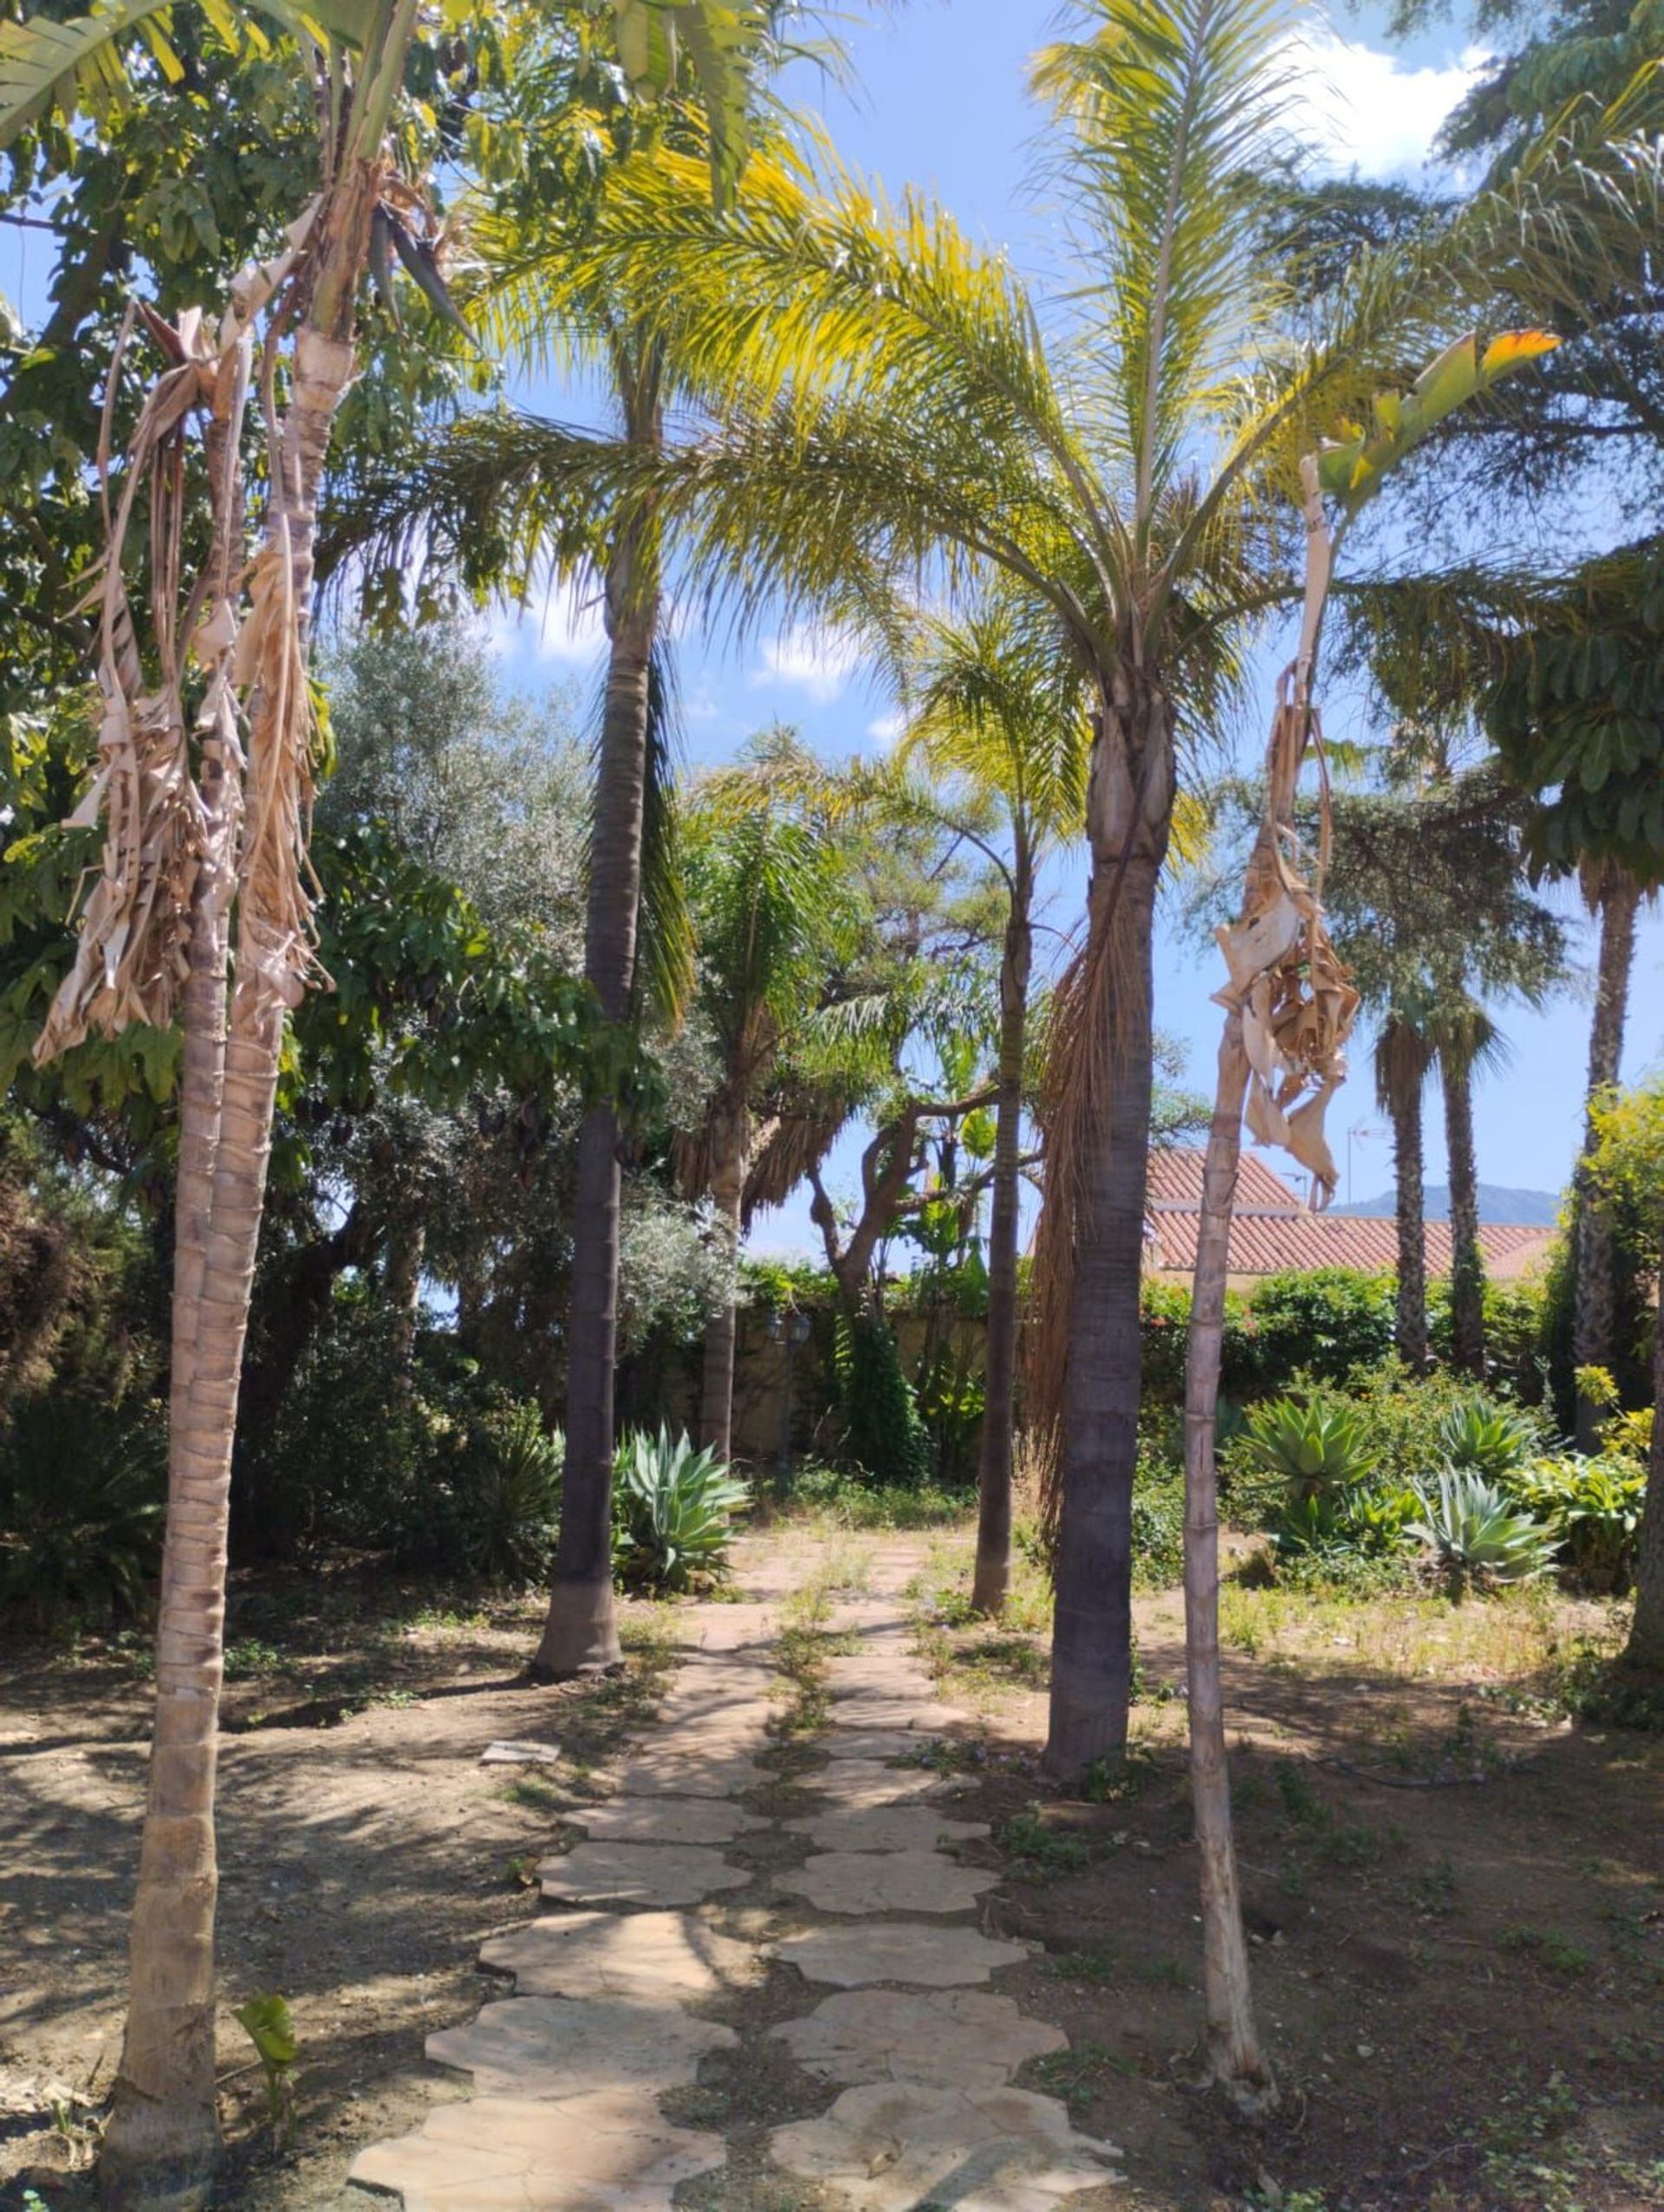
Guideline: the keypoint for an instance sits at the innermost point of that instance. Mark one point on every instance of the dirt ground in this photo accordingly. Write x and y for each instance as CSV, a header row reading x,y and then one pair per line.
x,y
1456,1898
365,1854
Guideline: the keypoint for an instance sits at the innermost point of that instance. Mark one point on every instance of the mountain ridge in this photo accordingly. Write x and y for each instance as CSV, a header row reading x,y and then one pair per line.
x,y
1498,1205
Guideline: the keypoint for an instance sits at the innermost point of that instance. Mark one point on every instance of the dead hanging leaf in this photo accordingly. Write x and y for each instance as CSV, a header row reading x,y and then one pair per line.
x,y
1295,996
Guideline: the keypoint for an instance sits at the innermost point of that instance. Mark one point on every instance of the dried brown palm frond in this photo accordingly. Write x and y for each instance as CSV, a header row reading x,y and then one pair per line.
x,y
788,1148
131,959
1080,1049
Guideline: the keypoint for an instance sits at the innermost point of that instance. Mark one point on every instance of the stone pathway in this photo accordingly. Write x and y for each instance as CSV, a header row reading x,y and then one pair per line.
x,y
605,2019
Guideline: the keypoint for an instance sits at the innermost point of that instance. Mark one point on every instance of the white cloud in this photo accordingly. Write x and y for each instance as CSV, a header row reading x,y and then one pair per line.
x,y
1368,111
886,728
561,627
814,660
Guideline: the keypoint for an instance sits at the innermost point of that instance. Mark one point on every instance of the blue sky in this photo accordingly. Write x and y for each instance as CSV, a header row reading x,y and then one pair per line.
x,y
938,99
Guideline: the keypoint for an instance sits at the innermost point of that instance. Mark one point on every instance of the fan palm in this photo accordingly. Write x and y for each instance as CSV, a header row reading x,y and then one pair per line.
x,y
889,403
188,838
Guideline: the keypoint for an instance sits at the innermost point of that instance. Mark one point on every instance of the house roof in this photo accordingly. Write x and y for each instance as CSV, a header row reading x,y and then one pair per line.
x,y
1272,1233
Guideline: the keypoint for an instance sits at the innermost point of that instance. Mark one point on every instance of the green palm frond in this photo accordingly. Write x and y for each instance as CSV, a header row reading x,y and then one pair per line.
x,y
664,950
45,64
1171,104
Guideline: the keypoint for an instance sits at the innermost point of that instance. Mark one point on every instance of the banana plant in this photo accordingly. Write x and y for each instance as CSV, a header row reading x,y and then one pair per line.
x,y
207,743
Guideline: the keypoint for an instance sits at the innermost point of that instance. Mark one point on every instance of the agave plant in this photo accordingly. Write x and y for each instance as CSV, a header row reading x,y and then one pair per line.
x,y
1315,1447
1478,1535
674,1511
1479,1438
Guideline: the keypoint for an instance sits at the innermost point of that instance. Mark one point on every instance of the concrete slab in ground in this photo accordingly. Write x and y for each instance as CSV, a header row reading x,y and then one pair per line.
x,y
606,2152
653,1958
566,2046
954,2039
898,1950
640,1873
893,2147
876,1881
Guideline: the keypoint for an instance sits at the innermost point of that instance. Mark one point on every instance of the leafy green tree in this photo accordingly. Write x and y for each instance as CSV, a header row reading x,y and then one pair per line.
x,y
890,395
1627,1167
771,898
190,837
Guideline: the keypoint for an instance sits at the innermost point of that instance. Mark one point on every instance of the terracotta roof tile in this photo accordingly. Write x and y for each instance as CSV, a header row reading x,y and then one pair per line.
x,y
1276,1244
1175,1179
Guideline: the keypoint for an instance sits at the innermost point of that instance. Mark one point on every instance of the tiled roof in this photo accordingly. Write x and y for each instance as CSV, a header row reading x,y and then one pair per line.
x,y
1266,1243
1175,1179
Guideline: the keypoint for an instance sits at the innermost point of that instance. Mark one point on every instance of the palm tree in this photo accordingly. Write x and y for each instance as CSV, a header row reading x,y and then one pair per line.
x,y
1404,1055
1003,727
766,888
888,403
185,843
1466,1042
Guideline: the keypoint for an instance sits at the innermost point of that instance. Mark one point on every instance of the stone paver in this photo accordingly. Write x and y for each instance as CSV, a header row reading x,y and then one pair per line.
x,y
609,2151
856,1785
568,2070
953,2039
893,2147
716,1773
898,1950
566,2046
665,1820
886,1828
879,1710
874,1881
867,1744
653,1958
640,1873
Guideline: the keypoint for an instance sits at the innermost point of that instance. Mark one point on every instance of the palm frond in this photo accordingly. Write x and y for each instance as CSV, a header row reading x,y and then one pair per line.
x,y
1171,104
665,954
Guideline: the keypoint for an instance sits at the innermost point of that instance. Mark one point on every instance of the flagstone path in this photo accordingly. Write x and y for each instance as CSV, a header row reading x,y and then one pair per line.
x,y
681,1897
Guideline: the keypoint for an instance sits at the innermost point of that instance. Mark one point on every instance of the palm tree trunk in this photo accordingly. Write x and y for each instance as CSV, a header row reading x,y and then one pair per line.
x,y
1411,1215
1618,900
727,1184
1466,1262
164,2126
1234,2056
991,1579
1645,1650
162,2138
1129,811
581,1631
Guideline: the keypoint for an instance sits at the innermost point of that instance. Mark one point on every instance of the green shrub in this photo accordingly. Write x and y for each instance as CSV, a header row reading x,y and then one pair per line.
x,y
674,1510
508,1495
1487,1439
1404,1418
1158,1523
854,1502
1593,1505
81,1491
1326,1323
1477,1536
878,1409
1313,1445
